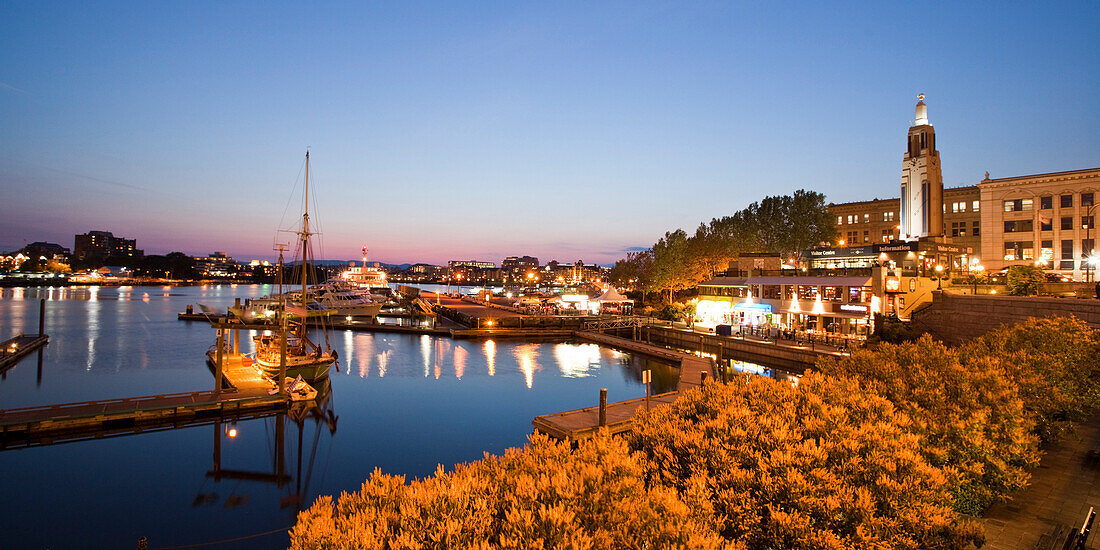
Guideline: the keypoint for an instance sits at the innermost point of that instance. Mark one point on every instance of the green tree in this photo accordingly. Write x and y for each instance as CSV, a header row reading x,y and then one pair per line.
x,y
786,224
670,264
634,272
54,266
1024,280
824,464
1056,364
969,416
32,265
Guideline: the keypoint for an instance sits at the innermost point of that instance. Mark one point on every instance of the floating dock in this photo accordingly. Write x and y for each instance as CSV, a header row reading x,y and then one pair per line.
x,y
619,417
49,424
15,349
242,393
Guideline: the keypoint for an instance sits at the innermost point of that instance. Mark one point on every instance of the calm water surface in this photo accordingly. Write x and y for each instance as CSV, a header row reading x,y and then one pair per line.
x,y
404,404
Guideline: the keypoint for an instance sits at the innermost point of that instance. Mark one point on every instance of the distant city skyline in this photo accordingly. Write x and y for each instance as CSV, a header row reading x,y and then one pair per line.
x,y
572,132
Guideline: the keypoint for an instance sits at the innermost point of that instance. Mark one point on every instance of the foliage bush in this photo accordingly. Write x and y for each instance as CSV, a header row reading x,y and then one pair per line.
x,y
893,331
887,448
1054,362
1024,280
823,464
544,496
968,415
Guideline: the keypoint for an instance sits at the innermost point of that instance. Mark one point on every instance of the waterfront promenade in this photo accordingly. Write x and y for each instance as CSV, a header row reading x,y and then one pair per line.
x,y
1063,488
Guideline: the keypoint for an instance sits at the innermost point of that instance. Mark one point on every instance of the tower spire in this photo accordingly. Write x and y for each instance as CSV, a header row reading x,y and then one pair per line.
x,y
922,112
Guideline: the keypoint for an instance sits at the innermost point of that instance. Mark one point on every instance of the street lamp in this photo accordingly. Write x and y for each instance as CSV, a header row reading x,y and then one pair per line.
x,y
939,276
1087,254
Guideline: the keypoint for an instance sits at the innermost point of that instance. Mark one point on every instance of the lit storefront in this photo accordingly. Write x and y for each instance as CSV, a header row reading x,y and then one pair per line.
x,y
822,303
920,256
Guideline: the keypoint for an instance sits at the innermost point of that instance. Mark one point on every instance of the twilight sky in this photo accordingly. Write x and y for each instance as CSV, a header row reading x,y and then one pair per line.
x,y
478,130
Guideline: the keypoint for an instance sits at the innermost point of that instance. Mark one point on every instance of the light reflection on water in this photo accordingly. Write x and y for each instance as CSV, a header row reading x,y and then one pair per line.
x,y
405,403
490,356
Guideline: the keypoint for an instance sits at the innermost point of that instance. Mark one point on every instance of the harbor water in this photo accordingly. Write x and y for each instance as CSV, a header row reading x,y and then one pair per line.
x,y
401,403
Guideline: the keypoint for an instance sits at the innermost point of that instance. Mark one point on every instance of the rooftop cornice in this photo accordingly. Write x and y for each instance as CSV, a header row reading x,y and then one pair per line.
x,y
1042,178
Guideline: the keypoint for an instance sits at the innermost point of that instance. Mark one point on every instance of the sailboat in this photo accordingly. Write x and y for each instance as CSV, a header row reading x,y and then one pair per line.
x,y
288,351
291,352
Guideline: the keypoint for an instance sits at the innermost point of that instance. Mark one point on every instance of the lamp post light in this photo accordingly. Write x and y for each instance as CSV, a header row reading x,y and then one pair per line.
x,y
1086,255
939,276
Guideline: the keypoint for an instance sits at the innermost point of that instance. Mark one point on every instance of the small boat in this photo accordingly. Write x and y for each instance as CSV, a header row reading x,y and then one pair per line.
x,y
299,390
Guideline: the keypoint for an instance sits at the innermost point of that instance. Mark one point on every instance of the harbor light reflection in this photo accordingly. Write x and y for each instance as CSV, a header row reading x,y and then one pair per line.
x,y
527,356
491,356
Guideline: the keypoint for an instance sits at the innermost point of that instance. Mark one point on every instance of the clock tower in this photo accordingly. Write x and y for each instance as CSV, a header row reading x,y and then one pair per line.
x,y
921,181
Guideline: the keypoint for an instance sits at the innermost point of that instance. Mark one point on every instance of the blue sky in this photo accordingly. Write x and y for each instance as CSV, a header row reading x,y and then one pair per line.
x,y
480,130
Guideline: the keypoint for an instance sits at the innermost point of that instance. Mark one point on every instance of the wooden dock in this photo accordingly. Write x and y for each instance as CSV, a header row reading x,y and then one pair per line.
x,y
15,349
619,416
49,424
584,423
241,393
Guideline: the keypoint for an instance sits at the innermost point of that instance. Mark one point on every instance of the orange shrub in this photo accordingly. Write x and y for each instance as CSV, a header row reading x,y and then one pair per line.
x,y
544,496
968,415
823,465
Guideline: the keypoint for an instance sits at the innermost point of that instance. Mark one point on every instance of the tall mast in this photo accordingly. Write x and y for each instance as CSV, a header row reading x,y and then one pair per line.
x,y
305,238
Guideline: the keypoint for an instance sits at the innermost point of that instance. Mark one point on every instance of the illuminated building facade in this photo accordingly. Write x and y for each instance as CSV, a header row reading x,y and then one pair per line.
x,y
104,244
1045,219
921,210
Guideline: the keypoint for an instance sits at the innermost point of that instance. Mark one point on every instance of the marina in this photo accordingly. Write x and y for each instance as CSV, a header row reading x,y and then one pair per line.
x,y
406,402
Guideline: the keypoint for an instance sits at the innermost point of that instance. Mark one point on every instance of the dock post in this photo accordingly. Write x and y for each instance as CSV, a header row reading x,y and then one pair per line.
x,y
703,375
218,363
603,406
237,332
41,316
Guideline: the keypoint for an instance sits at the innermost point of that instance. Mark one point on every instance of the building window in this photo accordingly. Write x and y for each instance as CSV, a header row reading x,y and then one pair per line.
x,y
1067,201
977,229
1019,226
1065,265
886,235
957,207
1086,222
1067,250
1046,203
866,218
1018,205
1019,250
974,206
887,216
1045,224
1046,251
850,219
1067,223
958,229
1086,199
839,220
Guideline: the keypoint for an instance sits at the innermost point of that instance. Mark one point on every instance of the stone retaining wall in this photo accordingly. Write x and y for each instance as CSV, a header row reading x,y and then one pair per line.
x,y
955,318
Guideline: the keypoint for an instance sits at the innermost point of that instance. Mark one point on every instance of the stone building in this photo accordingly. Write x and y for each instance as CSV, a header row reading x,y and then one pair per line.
x,y
1045,219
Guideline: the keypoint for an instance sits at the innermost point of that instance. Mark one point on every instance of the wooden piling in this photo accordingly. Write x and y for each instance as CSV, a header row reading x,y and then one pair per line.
x,y
219,362
41,316
603,406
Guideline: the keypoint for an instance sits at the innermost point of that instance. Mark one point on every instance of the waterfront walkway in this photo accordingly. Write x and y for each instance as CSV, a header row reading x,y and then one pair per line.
x,y
1063,487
